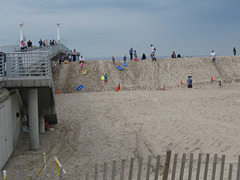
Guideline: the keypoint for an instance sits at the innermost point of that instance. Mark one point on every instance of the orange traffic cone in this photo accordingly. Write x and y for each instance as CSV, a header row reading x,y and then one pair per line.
x,y
181,83
212,78
117,89
163,87
119,86
58,91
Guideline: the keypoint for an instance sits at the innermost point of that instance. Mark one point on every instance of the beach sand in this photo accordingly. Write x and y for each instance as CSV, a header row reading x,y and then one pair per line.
x,y
97,124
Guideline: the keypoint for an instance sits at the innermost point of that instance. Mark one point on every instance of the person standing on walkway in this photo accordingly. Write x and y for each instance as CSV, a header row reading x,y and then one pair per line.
x,y
29,43
40,43
213,56
234,51
131,53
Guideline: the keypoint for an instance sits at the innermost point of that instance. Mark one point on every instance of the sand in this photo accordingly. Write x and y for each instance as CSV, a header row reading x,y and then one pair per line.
x,y
99,125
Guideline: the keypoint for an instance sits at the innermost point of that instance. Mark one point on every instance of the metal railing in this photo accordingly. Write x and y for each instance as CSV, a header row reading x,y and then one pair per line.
x,y
26,64
11,48
29,64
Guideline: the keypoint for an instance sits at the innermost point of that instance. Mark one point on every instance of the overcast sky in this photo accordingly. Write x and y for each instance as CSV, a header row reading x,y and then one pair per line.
x,y
110,27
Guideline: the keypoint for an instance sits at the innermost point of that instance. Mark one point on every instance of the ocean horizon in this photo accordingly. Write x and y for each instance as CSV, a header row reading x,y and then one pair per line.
x,y
121,57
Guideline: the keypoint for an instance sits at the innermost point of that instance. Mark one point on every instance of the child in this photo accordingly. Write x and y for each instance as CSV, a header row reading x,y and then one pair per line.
x,y
135,55
105,79
125,58
81,64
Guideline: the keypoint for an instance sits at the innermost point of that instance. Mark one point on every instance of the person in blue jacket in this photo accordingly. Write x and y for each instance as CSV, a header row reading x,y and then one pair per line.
x,y
189,81
105,79
125,58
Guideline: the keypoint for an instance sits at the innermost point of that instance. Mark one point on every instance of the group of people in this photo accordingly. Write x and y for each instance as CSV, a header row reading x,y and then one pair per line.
x,y
46,43
133,53
68,57
174,55
24,45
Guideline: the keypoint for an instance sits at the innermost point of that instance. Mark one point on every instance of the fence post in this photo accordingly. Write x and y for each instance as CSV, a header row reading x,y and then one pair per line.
x,y
157,167
17,175
131,169
114,170
199,165
222,167
148,167
182,166
238,168
122,169
214,166
34,174
105,171
52,174
96,172
140,160
43,174
87,177
230,172
190,167
61,173
167,163
206,167
174,166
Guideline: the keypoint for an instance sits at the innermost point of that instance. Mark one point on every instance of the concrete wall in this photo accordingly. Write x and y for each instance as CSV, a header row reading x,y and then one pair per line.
x,y
10,124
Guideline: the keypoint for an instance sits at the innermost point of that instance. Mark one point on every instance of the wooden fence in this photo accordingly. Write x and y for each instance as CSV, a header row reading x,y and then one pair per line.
x,y
168,167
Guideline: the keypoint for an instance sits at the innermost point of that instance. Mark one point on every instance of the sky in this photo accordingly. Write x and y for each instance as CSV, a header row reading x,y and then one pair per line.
x,y
106,28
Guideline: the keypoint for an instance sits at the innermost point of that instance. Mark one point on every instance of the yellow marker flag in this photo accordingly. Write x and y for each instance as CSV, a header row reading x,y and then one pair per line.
x,y
58,167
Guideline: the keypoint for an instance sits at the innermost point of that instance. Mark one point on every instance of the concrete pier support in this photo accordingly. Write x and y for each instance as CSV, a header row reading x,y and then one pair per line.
x,y
33,118
42,124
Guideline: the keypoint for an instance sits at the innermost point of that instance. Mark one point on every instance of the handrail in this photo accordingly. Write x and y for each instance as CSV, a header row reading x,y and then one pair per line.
x,y
29,64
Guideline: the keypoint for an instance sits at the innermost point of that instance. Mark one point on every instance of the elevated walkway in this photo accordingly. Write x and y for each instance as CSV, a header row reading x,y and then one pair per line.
x,y
30,73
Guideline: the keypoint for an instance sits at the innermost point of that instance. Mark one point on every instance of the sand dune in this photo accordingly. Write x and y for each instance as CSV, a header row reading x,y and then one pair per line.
x,y
146,75
98,124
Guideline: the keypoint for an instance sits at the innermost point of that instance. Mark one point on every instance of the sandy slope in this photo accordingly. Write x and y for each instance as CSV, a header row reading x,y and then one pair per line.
x,y
146,75
98,124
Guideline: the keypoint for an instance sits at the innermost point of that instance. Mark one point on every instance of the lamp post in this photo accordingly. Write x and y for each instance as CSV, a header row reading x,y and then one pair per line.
x,y
58,33
21,32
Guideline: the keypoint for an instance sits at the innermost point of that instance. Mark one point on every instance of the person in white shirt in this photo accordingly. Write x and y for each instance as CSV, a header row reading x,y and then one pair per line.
x,y
81,59
153,53
213,56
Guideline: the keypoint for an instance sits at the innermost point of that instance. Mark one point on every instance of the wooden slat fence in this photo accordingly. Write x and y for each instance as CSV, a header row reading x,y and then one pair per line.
x,y
166,167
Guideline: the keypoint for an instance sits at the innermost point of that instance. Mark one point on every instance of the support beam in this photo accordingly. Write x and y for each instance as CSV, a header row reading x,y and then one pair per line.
x,y
42,124
33,118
